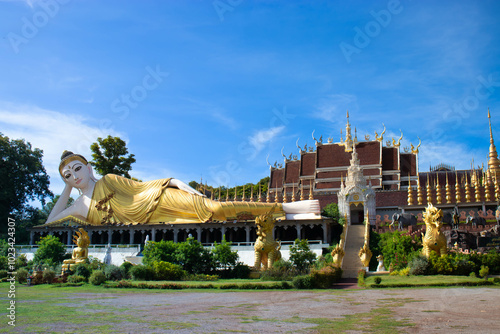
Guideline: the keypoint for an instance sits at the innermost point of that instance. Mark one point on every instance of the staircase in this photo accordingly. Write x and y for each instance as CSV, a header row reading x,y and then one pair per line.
x,y
355,239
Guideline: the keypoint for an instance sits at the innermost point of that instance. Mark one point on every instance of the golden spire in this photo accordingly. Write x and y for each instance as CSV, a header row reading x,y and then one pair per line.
x,y
429,191
493,162
268,196
236,193
348,137
219,194
293,192
477,188
487,183
497,189
243,196
276,197
439,198
458,194
227,194
285,199
302,191
467,189
410,193
260,193
251,194
448,190
420,197
311,196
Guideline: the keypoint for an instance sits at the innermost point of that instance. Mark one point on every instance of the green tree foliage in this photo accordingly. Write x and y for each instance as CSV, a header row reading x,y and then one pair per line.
x,y
398,249
229,192
22,178
194,258
50,251
301,255
160,251
225,258
110,156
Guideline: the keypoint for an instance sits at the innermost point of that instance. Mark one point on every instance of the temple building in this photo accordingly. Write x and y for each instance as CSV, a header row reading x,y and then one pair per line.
x,y
380,178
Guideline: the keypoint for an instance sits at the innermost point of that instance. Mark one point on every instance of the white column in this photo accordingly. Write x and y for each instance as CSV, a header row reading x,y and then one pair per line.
x,y
247,233
175,234
70,236
131,231
297,226
198,233
153,234
223,232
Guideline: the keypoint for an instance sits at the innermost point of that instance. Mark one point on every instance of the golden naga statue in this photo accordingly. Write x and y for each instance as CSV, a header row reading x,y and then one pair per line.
x,y
80,253
365,254
338,252
117,200
267,250
434,239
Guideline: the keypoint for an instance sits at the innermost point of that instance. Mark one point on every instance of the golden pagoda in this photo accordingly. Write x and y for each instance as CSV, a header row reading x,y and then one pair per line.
x,y
420,197
410,193
439,198
429,191
493,162
467,190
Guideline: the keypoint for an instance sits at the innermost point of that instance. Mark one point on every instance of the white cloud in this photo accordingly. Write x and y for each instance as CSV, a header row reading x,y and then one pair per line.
x,y
451,153
333,107
262,137
53,132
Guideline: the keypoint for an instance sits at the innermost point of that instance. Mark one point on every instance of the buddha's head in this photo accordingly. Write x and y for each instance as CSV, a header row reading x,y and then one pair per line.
x,y
75,170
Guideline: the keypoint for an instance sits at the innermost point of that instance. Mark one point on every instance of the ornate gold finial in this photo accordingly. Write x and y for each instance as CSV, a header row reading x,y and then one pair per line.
x,y
276,196
348,137
311,196
381,137
439,198
220,198
398,143
429,191
293,192
467,190
448,190
212,194
410,193
367,137
458,194
236,193
420,197
260,193
227,194
477,188
493,162
285,199
243,196
414,150
302,191
251,194
268,196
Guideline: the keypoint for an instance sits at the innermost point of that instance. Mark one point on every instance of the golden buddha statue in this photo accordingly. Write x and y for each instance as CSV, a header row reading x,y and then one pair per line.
x,y
80,253
115,199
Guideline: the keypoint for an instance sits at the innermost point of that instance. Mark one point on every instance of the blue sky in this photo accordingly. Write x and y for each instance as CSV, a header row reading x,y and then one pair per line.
x,y
211,88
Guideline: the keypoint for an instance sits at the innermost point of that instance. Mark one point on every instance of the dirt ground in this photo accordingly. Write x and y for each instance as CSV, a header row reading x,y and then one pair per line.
x,y
450,310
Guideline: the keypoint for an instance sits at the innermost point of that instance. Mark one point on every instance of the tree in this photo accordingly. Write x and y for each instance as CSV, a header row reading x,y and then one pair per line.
x,y
159,251
332,211
224,256
22,178
110,157
301,255
50,251
194,258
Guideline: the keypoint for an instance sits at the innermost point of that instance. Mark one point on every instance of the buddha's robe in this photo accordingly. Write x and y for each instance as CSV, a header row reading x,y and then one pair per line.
x,y
120,200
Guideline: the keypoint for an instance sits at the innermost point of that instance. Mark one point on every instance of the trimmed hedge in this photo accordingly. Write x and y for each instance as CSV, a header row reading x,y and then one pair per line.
x,y
408,285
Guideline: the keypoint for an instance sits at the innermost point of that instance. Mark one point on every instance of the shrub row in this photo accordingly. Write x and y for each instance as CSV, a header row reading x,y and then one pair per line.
x,y
407,285
175,286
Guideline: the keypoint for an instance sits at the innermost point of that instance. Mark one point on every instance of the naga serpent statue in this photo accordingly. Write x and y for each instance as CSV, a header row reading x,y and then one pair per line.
x,y
267,250
338,252
365,254
434,239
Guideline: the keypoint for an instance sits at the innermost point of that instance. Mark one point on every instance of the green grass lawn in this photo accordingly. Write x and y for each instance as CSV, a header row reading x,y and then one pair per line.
x,y
423,280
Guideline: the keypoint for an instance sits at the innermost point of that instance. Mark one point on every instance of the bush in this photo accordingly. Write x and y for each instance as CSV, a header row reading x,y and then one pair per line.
x,y
22,276
48,276
377,280
361,277
21,261
201,277
76,279
82,269
326,276
3,273
484,271
50,250
142,273
113,273
194,258
125,269
401,272
223,255
302,282
97,278
241,270
398,249
168,271
280,271
301,255
160,251
472,275
419,265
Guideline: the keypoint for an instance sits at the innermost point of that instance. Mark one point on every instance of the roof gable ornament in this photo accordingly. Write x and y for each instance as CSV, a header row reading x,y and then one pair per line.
x,y
381,137
394,144
414,150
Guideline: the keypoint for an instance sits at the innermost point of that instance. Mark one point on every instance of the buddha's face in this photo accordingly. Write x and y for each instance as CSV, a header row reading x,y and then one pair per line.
x,y
77,174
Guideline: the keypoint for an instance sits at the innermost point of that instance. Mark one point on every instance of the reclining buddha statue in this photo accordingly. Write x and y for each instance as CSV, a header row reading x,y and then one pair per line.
x,y
115,199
